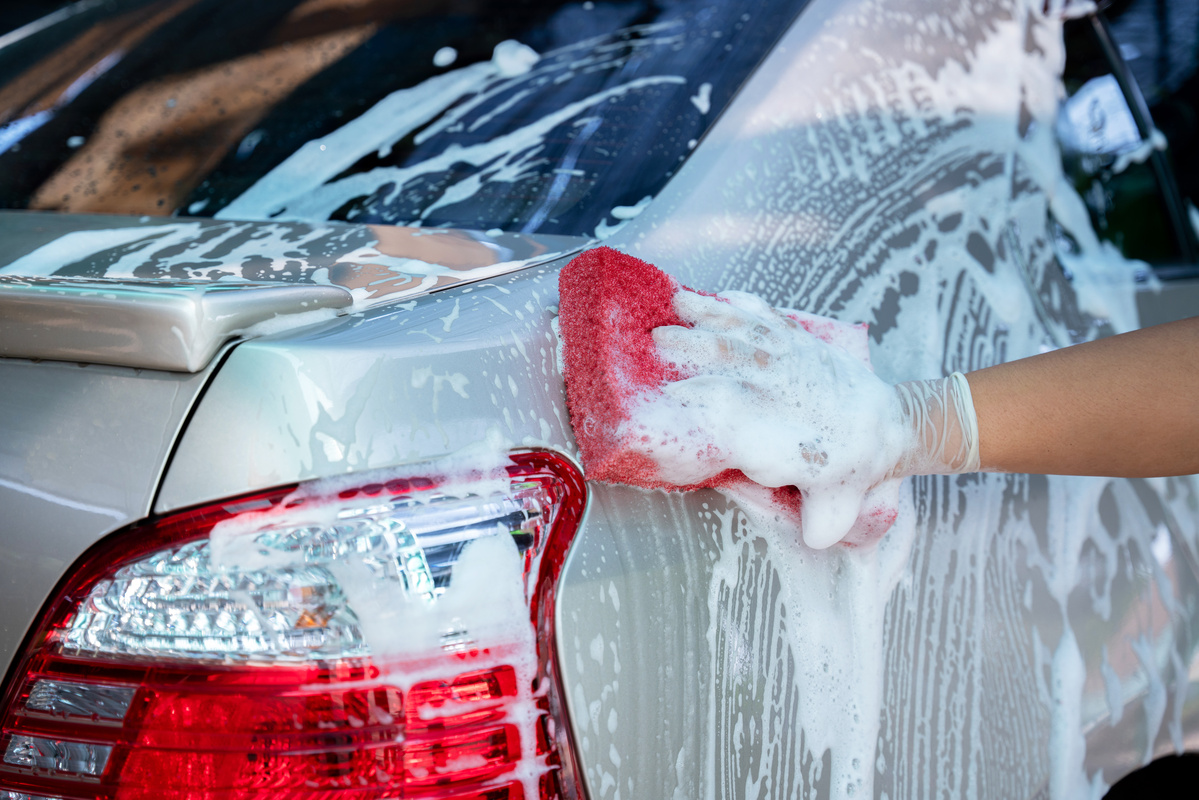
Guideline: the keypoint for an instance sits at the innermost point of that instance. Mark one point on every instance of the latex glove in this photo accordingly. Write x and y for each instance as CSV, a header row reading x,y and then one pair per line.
x,y
786,408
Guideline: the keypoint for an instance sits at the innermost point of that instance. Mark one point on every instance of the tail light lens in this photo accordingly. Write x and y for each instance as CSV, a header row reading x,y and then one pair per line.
x,y
386,637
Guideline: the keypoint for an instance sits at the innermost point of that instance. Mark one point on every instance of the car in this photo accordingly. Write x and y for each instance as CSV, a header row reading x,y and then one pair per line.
x,y
290,498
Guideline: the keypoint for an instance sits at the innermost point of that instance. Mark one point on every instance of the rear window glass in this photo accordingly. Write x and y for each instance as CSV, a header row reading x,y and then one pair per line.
x,y
521,116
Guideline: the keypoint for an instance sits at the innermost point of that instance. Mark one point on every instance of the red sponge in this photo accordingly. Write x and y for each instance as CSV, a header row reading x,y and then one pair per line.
x,y
609,304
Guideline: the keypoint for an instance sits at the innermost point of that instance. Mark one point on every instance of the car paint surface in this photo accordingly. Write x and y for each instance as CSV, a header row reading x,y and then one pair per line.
x,y
388,386
1012,636
1038,638
82,453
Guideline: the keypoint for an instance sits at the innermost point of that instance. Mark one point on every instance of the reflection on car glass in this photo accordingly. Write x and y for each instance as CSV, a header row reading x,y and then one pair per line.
x,y
534,116
1159,42
1117,158
1099,118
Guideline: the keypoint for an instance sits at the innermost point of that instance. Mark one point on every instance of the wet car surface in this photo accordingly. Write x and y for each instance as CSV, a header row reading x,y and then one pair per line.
x,y
1011,636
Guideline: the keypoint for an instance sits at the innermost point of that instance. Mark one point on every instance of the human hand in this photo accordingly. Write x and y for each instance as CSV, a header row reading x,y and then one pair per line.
x,y
765,396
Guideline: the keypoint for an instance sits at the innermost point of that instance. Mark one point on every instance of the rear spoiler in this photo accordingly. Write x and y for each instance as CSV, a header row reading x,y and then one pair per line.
x,y
166,292
153,325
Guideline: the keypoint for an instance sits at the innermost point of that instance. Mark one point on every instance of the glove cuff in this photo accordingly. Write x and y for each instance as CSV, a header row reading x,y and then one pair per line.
x,y
940,414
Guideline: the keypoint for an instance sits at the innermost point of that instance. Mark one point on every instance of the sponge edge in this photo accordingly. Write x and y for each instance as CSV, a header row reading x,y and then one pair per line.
x,y
610,302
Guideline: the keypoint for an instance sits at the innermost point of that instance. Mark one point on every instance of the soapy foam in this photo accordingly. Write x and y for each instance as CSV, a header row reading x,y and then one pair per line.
x,y
821,595
306,184
812,416
665,417
507,157
378,129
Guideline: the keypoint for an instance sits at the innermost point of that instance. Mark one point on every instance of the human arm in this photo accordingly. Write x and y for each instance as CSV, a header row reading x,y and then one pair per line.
x,y
1124,406
767,398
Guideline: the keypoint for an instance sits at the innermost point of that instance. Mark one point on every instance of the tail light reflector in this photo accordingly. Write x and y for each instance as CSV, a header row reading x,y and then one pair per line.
x,y
378,636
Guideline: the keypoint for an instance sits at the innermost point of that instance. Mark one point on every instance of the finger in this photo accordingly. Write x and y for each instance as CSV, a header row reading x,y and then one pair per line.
x,y
777,318
711,314
699,351
717,316
790,317
706,392
749,303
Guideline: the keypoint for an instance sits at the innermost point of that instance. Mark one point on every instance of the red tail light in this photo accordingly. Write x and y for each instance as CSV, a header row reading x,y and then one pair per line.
x,y
332,640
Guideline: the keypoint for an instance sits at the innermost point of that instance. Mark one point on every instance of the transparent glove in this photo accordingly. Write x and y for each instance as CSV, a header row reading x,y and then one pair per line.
x,y
944,427
786,408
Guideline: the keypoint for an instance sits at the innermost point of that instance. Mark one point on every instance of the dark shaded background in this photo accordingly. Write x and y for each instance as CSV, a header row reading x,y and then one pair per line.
x,y
15,14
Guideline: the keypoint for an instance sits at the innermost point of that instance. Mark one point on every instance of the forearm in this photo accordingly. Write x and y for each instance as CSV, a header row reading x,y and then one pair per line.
x,y
1123,406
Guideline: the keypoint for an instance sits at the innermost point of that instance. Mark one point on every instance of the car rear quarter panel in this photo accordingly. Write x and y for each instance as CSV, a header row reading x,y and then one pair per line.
x,y
406,382
81,454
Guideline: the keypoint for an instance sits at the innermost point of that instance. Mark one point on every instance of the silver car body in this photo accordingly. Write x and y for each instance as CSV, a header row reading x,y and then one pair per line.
x,y
1011,636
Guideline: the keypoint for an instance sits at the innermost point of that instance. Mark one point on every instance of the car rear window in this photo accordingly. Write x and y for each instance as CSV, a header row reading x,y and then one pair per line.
x,y
522,116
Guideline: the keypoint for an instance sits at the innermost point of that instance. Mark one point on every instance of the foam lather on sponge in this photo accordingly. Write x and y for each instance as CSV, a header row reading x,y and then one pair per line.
x,y
610,302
